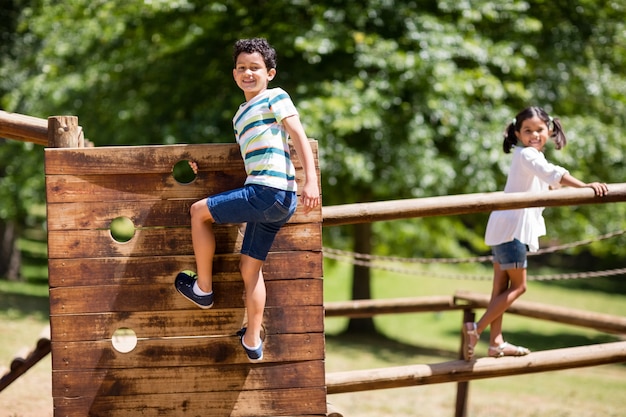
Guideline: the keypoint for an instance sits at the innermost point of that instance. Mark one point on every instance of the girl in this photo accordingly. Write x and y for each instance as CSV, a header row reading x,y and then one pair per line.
x,y
512,233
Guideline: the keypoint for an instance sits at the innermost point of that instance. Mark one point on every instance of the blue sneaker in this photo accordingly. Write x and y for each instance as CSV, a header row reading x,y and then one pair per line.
x,y
254,355
184,284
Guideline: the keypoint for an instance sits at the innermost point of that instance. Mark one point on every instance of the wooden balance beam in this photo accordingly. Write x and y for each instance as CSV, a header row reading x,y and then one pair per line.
x,y
460,370
598,321
464,204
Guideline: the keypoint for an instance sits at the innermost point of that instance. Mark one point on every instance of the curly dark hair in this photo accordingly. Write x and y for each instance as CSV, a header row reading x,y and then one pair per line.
x,y
510,139
260,45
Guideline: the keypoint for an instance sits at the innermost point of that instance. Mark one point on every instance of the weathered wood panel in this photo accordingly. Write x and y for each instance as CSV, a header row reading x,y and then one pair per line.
x,y
132,270
184,351
173,379
179,323
170,241
251,403
144,214
186,361
163,297
115,160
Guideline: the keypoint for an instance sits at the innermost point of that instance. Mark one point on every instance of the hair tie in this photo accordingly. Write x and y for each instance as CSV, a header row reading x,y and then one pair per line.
x,y
514,121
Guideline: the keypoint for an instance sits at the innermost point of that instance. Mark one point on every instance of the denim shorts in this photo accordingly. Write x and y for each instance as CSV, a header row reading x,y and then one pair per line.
x,y
264,209
510,255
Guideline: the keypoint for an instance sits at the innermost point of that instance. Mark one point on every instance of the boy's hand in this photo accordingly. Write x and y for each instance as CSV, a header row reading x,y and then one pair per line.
x,y
310,197
194,166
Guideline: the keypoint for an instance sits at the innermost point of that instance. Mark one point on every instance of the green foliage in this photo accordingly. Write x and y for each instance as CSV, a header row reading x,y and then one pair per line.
x,y
407,99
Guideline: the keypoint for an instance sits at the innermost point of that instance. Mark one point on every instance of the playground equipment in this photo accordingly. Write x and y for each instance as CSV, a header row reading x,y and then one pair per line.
x,y
124,343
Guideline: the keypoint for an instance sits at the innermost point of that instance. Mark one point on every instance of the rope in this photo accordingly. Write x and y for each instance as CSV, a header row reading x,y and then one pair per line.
x,y
368,260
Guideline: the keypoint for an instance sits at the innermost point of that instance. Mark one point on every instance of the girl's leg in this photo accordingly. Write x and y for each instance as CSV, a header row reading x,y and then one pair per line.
x,y
203,239
252,274
508,286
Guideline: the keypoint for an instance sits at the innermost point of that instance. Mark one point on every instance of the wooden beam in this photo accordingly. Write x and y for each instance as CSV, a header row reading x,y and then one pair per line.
x,y
460,370
464,204
23,128
369,308
598,321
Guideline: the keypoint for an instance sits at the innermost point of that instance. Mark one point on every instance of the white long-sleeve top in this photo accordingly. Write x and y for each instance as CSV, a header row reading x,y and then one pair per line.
x,y
529,172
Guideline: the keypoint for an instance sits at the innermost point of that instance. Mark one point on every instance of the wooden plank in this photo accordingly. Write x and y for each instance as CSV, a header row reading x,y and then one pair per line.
x,y
598,321
185,379
24,128
369,308
287,402
460,370
163,297
464,204
147,324
171,241
151,213
113,160
163,269
134,187
137,187
184,351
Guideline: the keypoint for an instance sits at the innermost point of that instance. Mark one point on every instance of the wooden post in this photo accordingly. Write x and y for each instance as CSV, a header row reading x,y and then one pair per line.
x,y
462,388
64,132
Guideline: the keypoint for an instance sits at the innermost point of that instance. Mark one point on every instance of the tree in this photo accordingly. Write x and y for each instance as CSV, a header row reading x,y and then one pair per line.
x,y
407,99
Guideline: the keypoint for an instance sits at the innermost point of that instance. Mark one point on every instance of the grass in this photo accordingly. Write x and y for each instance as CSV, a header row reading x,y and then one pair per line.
x,y
403,339
434,337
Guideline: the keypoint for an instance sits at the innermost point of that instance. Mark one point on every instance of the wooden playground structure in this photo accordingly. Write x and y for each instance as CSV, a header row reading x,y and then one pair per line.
x,y
123,342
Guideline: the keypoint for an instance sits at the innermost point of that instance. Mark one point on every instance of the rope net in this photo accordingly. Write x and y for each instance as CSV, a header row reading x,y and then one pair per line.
x,y
386,263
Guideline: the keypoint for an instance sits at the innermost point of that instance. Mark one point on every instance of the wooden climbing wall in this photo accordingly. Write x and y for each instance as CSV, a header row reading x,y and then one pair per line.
x,y
124,342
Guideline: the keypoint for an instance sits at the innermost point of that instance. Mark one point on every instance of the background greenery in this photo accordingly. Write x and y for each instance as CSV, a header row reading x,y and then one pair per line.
x,y
407,98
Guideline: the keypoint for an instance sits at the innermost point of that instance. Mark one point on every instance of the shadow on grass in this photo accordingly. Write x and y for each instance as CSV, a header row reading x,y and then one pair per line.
x,y
384,348
20,305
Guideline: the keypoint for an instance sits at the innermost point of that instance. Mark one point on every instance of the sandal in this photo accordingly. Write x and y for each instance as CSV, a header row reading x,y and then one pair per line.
x,y
507,349
470,340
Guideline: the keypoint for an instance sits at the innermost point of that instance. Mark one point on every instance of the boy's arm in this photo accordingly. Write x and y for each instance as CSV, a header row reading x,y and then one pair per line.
x,y
310,192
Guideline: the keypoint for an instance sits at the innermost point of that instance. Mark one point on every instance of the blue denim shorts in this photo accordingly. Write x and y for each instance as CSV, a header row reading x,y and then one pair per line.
x,y
264,209
510,255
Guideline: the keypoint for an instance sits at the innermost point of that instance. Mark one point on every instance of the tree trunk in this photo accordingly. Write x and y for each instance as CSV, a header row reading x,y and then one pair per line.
x,y
10,257
361,285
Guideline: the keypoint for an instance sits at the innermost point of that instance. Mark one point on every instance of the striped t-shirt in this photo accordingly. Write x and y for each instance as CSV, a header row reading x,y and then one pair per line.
x,y
263,139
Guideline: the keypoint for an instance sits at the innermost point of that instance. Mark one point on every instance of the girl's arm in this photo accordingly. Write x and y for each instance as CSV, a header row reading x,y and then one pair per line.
x,y
599,188
310,192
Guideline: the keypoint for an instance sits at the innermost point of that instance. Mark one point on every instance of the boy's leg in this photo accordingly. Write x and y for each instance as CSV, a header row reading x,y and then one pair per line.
x,y
203,239
252,274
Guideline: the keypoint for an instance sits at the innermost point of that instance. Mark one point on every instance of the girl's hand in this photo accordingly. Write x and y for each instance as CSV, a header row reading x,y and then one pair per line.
x,y
600,188
194,166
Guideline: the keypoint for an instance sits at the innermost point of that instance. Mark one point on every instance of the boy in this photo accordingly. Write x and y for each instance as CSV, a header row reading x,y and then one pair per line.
x,y
262,124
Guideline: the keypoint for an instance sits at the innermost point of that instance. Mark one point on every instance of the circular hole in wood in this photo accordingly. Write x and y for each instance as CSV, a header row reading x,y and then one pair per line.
x,y
183,173
122,229
124,340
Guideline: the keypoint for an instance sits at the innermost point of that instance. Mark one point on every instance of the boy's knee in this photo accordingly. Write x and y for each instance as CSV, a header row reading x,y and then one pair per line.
x,y
249,267
200,211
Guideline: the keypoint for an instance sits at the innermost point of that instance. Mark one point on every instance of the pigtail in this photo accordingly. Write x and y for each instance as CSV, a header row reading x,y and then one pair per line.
x,y
557,133
510,139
